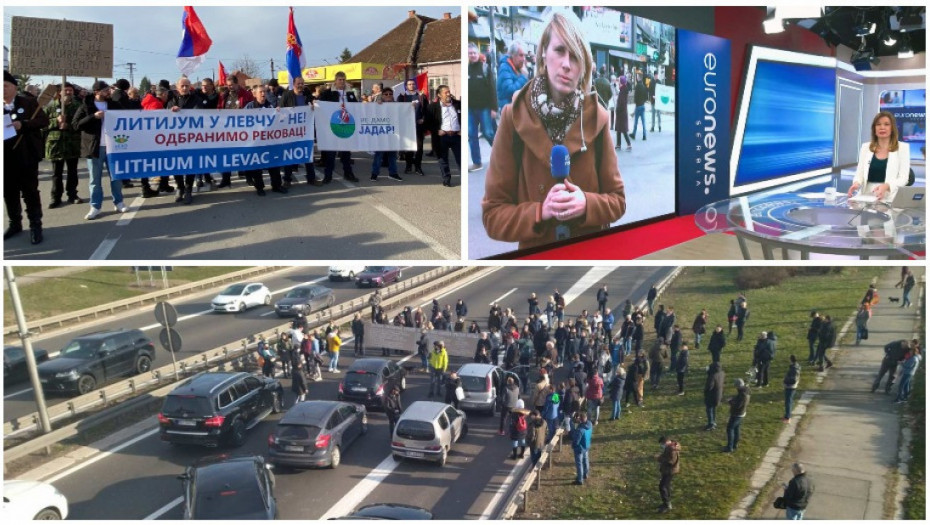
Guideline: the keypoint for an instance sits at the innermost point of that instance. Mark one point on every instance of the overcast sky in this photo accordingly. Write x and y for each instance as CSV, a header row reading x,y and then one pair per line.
x,y
151,36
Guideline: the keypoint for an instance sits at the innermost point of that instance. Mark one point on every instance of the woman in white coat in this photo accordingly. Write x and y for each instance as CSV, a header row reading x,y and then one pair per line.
x,y
884,163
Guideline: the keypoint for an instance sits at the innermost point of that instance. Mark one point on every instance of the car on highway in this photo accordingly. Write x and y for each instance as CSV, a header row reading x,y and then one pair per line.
x,y
370,379
95,359
378,276
240,297
316,433
214,408
222,487
14,362
32,500
483,385
303,300
426,431
389,511
345,271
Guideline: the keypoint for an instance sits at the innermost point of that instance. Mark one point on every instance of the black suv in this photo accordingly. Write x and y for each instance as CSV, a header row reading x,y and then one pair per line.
x,y
95,359
218,407
368,380
224,488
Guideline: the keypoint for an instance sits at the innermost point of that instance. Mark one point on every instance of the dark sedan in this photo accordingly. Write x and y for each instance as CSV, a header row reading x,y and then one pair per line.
x,y
14,363
229,488
368,380
378,276
316,433
390,511
303,300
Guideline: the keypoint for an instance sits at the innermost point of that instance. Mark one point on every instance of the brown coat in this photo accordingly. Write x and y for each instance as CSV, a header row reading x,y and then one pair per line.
x,y
512,203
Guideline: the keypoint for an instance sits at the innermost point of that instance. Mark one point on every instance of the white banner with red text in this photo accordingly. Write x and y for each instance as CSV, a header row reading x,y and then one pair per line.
x,y
154,143
390,126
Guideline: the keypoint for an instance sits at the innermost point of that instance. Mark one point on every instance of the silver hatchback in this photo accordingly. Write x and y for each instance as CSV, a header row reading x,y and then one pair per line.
x,y
427,430
483,385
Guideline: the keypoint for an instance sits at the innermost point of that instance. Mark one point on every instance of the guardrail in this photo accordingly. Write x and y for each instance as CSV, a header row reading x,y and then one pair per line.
x,y
418,285
94,312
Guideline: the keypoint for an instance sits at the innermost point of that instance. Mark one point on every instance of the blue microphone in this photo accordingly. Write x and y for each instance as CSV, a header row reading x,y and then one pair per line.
x,y
560,165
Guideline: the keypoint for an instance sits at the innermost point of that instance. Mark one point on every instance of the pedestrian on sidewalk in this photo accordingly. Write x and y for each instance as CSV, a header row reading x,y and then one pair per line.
x,y
871,295
812,334
798,493
713,393
681,368
791,381
863,314
581,444
669,465
738,405
895,353
826,339
908,370
718,340
909,283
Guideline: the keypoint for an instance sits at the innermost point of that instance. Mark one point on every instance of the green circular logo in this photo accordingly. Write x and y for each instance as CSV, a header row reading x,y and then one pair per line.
x,y
342,123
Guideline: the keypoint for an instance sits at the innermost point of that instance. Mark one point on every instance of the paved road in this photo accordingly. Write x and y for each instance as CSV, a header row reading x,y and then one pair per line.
x,y
200,328
417,219
139,480
648,173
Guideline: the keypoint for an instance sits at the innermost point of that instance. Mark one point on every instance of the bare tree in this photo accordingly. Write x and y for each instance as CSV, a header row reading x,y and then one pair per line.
x,y
248,66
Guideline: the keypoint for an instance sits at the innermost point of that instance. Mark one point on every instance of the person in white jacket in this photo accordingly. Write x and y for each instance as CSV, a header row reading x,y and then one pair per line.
x,y
884,163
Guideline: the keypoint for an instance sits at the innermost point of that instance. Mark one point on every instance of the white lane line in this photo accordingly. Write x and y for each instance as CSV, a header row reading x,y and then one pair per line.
x,y
417,233
547,268
20,392
103,251
157,514
502,297
131,214
360,491
595,275
102,455
489,510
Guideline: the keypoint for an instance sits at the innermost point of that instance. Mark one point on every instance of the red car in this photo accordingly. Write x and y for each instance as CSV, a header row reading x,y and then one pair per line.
x,y
378,276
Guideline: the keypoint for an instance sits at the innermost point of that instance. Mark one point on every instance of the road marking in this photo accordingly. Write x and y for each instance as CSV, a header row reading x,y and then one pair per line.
x,y
157,514
103,455
103,251
417,233
488,511
547,268
131,214
360,491
594,276
502,297
266,314
17,393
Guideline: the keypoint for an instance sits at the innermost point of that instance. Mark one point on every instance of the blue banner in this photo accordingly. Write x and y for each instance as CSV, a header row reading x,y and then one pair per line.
x,y
703,120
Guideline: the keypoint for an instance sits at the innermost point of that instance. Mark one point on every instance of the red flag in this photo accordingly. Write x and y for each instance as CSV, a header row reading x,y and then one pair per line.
x,y
423,83
221,79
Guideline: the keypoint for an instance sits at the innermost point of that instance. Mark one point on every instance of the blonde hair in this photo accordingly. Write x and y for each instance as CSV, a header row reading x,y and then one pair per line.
x,y
893,140
577,44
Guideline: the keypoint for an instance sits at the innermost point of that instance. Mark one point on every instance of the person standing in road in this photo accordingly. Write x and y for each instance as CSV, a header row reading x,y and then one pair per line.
x,y
285,350
21,156
444,119
669,466
798,493
602,299
267,355
581,443
334,343
296,96
438,363
298,381
656,114
518,431
792,379
482,105
713,392
510,397
393,407
358,332
414,160
235,98
738,405
452,383
63,146
186,99
388,157
536,436
339,94
512,73
253,177
718,340
423,351
640,96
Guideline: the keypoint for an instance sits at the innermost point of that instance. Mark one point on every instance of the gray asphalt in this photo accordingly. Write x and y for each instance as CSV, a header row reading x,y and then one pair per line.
x,y
417,219
140,479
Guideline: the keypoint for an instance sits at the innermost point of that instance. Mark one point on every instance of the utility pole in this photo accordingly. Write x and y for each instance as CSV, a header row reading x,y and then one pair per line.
x,y
272,69
132,66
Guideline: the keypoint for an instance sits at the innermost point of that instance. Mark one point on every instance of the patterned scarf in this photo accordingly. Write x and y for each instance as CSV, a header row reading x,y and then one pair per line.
x,y
556,118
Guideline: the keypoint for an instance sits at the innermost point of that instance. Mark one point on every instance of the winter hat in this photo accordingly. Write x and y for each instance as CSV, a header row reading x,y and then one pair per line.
x,y
740,383
519,404
8,77
122,84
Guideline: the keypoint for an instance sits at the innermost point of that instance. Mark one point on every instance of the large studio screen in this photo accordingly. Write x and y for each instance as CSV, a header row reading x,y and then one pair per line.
x,y
785,130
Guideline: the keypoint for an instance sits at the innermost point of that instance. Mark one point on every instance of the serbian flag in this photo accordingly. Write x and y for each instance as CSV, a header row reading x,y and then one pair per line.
x,y
423,83
295,59
221,77
194,42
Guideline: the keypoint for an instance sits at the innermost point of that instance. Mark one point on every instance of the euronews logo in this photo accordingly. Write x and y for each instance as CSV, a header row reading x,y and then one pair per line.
x,y
342,123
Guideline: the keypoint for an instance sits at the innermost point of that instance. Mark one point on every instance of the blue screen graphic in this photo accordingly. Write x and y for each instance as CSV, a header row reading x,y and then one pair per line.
x,y
789,128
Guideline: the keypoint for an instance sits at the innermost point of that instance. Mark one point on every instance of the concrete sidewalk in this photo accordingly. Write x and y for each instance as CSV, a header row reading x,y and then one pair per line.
x,y
849,438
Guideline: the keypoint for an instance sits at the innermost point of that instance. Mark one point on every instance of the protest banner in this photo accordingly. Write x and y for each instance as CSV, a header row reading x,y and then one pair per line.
x,y
366,127
44,46
154,143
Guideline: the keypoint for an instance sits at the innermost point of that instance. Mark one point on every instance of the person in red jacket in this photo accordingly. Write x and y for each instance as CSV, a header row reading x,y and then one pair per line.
x,y
235,97
594,394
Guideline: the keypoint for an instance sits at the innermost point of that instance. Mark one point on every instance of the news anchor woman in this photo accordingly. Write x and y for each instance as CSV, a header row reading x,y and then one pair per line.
x,y
884,163
522,202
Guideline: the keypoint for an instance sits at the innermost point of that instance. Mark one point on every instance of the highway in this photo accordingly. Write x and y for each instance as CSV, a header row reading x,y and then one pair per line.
x,y
200,328
139,479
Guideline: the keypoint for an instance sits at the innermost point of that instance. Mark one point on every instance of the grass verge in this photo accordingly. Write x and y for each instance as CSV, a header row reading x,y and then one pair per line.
x,y
96,286
624,476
